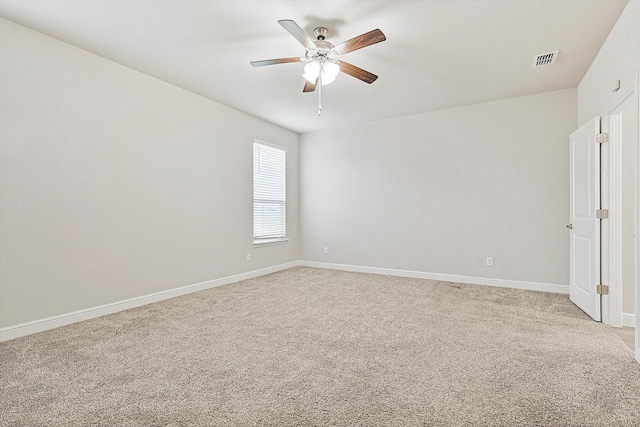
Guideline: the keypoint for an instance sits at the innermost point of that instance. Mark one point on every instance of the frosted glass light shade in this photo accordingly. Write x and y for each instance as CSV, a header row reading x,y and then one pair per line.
x,y
330,71
311,72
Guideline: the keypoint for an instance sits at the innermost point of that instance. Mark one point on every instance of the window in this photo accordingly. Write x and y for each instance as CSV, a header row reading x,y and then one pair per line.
x,y
269,204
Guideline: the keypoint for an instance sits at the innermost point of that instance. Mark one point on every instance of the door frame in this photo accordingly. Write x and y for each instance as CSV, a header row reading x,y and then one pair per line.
x,y
636,245
611,196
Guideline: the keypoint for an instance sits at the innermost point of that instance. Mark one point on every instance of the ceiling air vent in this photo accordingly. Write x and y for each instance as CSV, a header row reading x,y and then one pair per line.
x,y
545,59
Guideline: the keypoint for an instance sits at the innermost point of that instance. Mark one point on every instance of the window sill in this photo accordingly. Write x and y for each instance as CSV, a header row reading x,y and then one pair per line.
x,y
269,242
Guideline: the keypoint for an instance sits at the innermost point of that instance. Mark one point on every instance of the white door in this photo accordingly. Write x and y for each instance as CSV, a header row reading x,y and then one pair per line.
x,y
584,191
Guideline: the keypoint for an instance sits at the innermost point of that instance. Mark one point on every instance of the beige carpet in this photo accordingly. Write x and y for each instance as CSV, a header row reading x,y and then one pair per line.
x,y
319,347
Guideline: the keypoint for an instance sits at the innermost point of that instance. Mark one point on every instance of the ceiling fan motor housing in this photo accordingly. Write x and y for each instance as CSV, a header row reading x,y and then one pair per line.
x,y
320,33
324,50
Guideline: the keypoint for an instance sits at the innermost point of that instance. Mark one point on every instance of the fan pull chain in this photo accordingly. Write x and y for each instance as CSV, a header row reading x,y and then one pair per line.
x,y
319,93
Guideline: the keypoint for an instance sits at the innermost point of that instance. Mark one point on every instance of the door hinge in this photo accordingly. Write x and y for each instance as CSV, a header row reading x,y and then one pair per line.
x,y
602,289
602,213
601,138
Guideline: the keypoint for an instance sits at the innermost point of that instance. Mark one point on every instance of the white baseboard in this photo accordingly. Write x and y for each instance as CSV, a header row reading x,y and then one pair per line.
x,y
628,320
41,325
532,286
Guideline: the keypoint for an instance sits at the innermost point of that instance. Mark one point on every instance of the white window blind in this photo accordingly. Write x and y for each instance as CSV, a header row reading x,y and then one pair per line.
x,y
269,208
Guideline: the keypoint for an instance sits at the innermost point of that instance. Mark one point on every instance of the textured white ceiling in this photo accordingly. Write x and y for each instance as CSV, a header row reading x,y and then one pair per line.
x,y
438,54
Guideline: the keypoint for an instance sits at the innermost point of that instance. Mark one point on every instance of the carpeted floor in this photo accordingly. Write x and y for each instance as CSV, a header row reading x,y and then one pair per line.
x,y
319,347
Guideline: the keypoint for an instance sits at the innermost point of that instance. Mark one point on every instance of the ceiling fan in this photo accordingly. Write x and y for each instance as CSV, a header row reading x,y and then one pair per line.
x,y
322,57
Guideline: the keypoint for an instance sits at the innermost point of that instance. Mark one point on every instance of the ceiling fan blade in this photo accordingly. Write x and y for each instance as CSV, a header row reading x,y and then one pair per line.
x,y
309,87
363,40
297,32
264,62
357,72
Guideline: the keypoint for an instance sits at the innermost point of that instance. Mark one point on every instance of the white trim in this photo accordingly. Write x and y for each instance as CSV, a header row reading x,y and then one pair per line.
x,y
501,283
620,96
259,243
612,199
41,325
612,253
612,244
279,147
24,329
636,244
628,320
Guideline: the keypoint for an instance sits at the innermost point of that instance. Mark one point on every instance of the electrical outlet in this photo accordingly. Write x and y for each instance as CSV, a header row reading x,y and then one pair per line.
x,y
326,250
248,257
489,261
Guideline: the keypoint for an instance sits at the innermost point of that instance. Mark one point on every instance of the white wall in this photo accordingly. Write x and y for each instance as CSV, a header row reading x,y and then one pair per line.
x,y
114,184
618,59
440,192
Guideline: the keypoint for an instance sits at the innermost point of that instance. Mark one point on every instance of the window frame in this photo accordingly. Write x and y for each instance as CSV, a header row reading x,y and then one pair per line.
x,y
258,241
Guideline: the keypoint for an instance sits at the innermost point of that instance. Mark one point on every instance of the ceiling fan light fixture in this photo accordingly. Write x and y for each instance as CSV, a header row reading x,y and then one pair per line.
x,y
330,71
312,71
